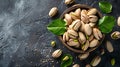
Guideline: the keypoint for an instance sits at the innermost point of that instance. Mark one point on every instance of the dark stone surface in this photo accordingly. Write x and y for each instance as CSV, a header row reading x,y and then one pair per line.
x,y
25,41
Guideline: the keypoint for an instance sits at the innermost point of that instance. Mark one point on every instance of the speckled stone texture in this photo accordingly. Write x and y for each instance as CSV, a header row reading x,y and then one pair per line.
x,y
25,41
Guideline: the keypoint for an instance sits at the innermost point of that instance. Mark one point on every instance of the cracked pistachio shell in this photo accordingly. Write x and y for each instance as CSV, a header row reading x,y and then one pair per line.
x,y
92,11
57,53
71,42
94,43
82,26
96,61
97,33
93,18
65,37
78,12
82,38
76,65
53,11
68,19
115,35
84,16
92,24
72,32
85,46
88,29
83,56
73,15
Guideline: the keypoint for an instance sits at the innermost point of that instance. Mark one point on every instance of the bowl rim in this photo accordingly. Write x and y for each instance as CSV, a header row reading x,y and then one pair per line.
x,y
83,6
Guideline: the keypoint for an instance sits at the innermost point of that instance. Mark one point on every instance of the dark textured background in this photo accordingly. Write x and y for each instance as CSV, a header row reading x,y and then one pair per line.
x,y
25,41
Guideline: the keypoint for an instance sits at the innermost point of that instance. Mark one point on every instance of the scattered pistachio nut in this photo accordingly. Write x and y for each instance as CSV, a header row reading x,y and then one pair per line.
x,y
67,2
76,65
65,58
109,46
94,43
87,65
115,35
53,43
118,21
96,61
53,11
57,53
83,56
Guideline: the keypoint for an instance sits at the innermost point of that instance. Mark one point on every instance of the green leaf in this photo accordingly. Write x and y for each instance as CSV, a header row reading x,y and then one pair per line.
x,y
67,62
57,27
106,24
112,61
105,6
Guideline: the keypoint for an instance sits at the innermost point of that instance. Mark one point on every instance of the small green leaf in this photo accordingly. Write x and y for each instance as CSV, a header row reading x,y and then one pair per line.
x,y
112,61
57,27
106,24
105,6
67,62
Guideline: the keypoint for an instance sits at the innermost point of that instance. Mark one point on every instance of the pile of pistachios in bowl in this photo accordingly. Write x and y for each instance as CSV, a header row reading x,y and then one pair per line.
x,y
82,32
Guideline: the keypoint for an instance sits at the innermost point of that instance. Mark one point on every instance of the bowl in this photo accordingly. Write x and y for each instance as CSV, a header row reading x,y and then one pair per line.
x,y
82,6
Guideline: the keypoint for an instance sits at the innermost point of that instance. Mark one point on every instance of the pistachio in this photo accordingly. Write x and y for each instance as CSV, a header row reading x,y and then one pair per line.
x,y
53,43
92,11
82,26
72,32
84,16
78,12
96,61
109,46
72,36
65,58
92,24
75,25
53,11
68,19
118,21
65,37
73,15
88,65
57,53
76,65
85,46
67,2
91,38
71,42
82,38
93,18
97,33
83,56
87,29
94,43
115,35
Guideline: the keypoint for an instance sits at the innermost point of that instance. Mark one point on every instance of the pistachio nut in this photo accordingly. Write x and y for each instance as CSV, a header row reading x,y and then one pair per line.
x,y
76,65
118,21
73,15
82,26
68,19
93,18
82,38
85,46
78,12
67,2
115,35
94,43
57,53
65,37
53,43
97,33
71,42
92,11
88,29
91,38
72,32
83,56
53,11
109,46
92,24
65,58
87,65
96,61
84,16
75,25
